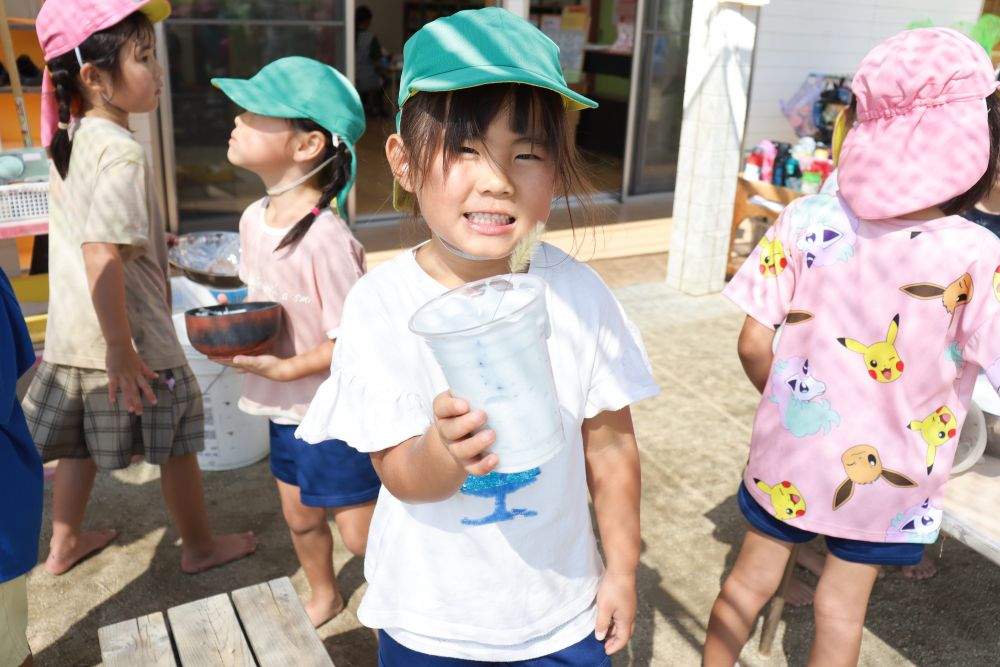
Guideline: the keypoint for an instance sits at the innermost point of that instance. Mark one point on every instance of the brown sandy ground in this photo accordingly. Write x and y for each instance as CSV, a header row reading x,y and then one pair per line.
x,y
693,440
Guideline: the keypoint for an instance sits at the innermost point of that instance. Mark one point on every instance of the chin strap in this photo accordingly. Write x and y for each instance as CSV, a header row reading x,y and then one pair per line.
x,y
299,181
464,255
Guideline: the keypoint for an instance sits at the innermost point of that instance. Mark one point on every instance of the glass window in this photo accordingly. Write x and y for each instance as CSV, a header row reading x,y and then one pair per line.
x,y
659,108
206,39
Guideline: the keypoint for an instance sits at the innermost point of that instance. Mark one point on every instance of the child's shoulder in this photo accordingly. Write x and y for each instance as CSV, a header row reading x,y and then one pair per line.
x,y
823,205
562,269
108,141
571,280
383,282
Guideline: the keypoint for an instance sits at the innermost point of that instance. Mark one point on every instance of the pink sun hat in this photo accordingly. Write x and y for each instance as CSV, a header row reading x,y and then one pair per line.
x,y
63,25
921,136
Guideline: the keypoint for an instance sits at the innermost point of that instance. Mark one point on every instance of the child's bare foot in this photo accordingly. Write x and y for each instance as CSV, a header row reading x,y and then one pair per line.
x,y
925,569
224,549
799,593
322,611
61,559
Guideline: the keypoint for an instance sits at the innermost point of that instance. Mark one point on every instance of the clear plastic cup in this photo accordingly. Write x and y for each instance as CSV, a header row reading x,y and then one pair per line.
x,y
489,339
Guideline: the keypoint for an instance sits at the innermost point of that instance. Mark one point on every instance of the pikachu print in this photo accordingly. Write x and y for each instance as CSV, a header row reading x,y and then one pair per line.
x,y
881,357
786,499
936,429
772,257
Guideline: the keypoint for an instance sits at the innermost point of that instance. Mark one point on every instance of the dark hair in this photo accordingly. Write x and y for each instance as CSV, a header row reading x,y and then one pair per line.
x,y
103,51
984,185
447,120
362,14
334,176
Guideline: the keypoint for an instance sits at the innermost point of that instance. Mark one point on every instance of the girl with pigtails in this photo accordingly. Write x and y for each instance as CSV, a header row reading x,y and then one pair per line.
x,y
297,133
109,302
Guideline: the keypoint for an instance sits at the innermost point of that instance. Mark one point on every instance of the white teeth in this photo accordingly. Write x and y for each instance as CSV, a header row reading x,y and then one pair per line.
x,y
489,218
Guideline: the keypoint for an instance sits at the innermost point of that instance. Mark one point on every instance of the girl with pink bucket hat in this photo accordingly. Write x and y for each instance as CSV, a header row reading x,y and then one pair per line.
x,y
110,324
889,304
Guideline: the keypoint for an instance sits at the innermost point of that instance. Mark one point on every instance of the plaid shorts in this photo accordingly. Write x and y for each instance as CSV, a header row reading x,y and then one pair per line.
x,y
70,416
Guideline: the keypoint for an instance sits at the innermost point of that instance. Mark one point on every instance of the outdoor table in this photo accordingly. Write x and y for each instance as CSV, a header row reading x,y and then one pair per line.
x,y
971,500
259,626
744,208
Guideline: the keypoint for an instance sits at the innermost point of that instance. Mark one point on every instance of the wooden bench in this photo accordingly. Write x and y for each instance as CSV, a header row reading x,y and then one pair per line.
x,y
970,516
971,500
744,208
258,626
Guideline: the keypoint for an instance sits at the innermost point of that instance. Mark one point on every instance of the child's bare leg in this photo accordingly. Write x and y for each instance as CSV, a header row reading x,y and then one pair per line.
x,y
840,607
180,479
753,581
313,542
70,493
353,522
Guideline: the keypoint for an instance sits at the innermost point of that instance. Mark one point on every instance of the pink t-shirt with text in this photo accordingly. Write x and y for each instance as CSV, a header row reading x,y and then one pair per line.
x,y
885,325
310,279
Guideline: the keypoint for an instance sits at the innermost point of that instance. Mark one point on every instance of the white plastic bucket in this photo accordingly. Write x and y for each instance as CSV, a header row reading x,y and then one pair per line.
x,y
233,439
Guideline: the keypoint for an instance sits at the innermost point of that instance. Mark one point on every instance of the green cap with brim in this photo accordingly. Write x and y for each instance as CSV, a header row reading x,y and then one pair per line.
x,y
297,87
479,47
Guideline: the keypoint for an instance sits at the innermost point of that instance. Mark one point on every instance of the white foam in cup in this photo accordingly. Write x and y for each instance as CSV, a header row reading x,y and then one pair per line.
x,y
489,339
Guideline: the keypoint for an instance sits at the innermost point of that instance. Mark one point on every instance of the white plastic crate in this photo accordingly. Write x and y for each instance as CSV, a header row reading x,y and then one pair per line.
x,y
24,201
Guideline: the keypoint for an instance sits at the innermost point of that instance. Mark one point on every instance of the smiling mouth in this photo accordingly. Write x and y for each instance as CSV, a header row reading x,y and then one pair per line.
x,y
887,373
498,219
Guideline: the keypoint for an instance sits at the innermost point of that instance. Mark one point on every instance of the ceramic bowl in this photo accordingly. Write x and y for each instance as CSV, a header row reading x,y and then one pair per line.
x,y
227,330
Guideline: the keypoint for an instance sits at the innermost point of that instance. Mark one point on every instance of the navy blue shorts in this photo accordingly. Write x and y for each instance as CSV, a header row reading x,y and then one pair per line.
x,y
330,474
854,551
588,652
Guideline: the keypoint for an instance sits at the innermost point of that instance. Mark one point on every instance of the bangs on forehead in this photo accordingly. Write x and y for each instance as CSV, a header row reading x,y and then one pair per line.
x,y
530,111
143,35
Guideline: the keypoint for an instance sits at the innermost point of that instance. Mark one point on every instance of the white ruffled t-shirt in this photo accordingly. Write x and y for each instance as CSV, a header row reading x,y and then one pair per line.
x,y
507,568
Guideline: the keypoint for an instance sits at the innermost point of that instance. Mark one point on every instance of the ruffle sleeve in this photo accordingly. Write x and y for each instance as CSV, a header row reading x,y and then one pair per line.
x,y
369,401
366,415
622,372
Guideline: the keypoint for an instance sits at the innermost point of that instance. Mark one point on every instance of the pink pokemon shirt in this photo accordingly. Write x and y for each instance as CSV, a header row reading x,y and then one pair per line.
x,y
883,328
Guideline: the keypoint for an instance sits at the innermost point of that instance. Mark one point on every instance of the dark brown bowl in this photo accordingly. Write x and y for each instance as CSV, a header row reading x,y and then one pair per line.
x,y
227,330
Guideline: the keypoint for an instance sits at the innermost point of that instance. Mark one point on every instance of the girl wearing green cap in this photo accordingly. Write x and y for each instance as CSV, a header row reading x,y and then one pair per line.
x,y
297,134
466,565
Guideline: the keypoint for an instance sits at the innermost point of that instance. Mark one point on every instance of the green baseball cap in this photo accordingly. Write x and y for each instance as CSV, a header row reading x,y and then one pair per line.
x,y
297,87
478,47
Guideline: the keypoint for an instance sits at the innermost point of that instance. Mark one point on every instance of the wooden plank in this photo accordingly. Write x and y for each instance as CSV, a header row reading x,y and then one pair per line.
x,y
970,508
277,626
139,642
208,634
611,241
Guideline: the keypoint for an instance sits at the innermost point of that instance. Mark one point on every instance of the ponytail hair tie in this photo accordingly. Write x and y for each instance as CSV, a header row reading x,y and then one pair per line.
x,y
315,211
63,126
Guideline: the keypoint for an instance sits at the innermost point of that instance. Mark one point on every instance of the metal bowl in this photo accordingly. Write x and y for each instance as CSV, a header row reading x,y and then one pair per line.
x,y
227,330
208,258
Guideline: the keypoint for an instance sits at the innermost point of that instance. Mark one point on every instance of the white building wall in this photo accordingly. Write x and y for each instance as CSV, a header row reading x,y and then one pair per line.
x,y
799,37
715,105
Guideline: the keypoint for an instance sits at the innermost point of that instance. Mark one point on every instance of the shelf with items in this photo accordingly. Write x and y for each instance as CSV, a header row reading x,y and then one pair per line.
x,y
24,205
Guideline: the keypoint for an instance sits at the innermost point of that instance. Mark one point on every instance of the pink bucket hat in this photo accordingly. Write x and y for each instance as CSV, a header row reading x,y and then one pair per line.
x,y
921,135
62,25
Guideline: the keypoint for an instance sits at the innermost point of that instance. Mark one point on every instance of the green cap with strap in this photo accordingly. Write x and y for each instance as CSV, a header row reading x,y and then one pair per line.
x,y
479,47
297,87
